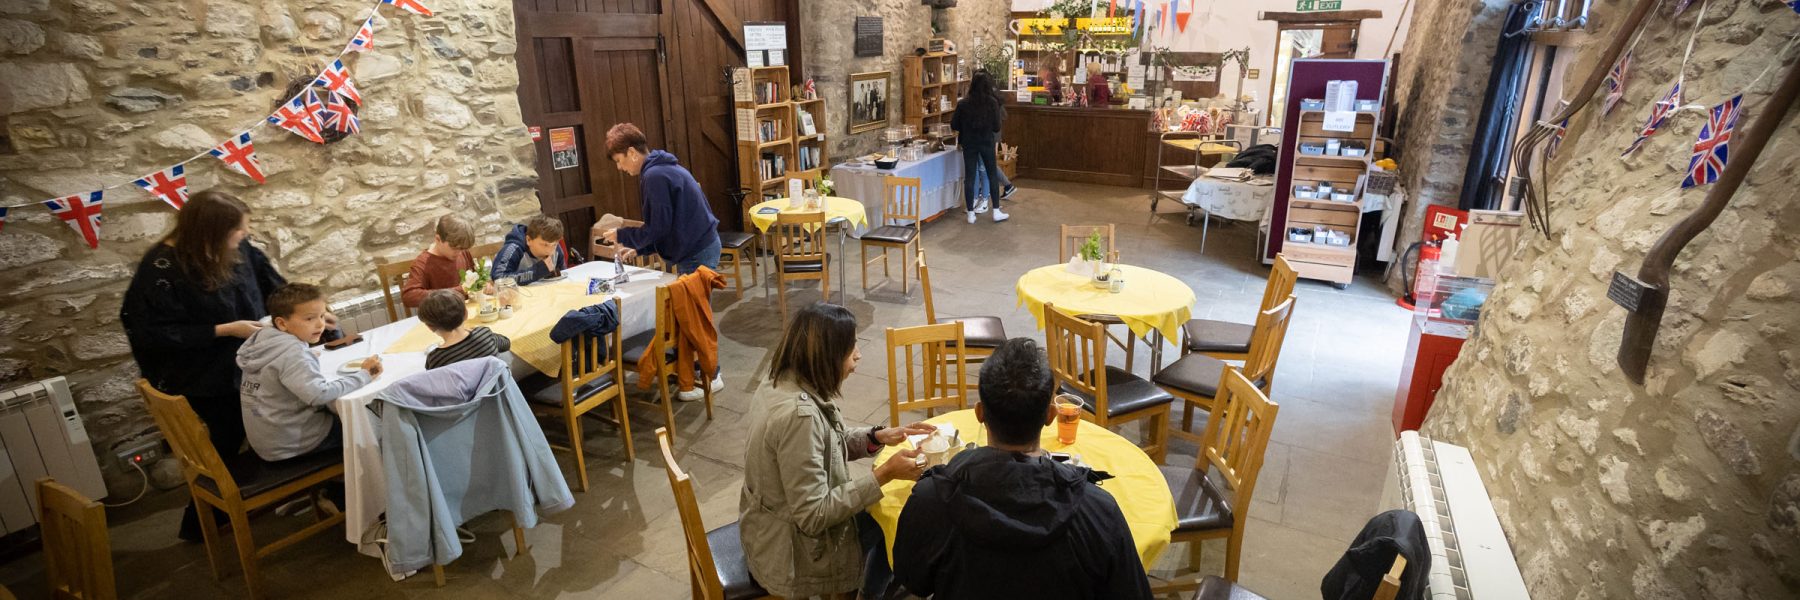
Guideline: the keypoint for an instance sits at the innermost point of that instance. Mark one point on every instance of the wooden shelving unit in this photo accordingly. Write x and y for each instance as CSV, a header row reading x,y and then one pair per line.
x,y
933,83
1315,260
776,148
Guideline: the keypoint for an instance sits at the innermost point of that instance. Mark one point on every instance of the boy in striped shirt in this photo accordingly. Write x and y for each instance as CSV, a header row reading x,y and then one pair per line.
x,y
443,311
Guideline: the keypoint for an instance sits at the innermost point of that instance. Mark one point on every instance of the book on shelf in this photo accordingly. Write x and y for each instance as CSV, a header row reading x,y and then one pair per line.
x,y
809,157
768,92
771,166
806,122
769,130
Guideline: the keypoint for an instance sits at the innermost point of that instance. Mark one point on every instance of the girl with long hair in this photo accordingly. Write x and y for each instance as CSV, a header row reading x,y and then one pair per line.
x,y
977,123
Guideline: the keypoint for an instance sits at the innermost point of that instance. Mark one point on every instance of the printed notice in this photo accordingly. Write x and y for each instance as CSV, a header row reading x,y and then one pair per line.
x,y
563,154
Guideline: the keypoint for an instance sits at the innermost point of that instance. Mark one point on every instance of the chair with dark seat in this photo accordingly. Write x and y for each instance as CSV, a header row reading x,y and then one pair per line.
x,y
1110,395
248,484
981,335
927,369
592,374
798,240
1237,433
663,338
77,552
1225,340
716,565
740,247
899,227
1195,377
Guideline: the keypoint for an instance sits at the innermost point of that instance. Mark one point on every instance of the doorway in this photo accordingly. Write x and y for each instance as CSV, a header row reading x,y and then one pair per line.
x,y
1328,34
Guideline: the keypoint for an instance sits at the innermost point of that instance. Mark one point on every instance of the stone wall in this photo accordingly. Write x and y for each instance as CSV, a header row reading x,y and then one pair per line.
x,y
827,28
1439,84
1687,486
103,91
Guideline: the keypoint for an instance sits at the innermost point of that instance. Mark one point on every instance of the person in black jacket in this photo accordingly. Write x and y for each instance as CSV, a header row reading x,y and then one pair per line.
x,y
977,124
196,295
1007,521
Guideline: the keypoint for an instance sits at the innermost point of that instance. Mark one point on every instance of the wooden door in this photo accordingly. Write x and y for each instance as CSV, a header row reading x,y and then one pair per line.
x,y
622,79
1339,40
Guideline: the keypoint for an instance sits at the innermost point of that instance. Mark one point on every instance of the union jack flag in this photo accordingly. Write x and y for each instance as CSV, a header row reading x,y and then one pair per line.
x,y
340,116
364,39
301,116
240,155
2,217
1658,114
1615,84
1709,153
337,79
168,184
1556,139
82,215
411,6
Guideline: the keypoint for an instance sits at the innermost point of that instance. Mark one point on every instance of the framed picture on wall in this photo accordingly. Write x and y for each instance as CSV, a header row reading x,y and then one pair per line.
x,y
869,100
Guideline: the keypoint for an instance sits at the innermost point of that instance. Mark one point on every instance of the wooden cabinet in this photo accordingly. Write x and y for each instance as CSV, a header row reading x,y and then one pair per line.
x,y
932,84
1312,258
775,143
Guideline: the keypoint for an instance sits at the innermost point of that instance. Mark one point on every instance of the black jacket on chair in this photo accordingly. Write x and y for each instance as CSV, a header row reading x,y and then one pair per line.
x,y
1371,554
999,524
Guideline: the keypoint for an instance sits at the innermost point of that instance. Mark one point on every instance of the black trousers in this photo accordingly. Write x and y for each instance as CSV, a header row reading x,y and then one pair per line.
x,y
980,155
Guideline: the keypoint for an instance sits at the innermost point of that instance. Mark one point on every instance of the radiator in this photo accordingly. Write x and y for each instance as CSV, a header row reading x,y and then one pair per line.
x,y
365,312
1470,557
43,437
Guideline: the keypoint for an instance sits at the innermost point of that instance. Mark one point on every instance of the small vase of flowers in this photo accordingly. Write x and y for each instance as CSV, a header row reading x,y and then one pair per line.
x,y
476,282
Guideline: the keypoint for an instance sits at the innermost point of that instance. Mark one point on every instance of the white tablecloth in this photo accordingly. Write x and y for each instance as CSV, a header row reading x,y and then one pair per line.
x,y
1235,200
940,183
365,482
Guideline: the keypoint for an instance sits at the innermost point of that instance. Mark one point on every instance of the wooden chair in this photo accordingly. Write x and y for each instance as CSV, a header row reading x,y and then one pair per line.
x,y
1236,436
717,568
77,553
1112,396
663,340
798,240
1073,236
739,247
1225,340
486,251
1195,377
592,374
899,227
390,276
936,369
251,485
982,335
1390,582
605,252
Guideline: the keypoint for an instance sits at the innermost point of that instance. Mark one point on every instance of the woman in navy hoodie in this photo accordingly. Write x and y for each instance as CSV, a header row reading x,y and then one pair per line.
x,y
678,223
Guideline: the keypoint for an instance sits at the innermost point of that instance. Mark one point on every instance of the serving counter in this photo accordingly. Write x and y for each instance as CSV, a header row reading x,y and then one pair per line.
x,y
1107,146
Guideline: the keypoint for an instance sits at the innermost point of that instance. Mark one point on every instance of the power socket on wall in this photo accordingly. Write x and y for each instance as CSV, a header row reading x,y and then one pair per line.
x,y
141,454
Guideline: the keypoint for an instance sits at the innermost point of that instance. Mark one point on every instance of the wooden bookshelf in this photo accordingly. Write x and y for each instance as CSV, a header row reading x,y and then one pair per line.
x,y
1316,260
773,145
932,84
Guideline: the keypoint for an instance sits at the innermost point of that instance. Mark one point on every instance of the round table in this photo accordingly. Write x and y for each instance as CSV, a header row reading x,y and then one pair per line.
x,y
1137,484
842,213
1152,304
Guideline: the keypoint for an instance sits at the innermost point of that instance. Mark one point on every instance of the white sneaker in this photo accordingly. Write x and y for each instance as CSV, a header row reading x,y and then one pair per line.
x,y
1000,216
694,395
971,216
981,206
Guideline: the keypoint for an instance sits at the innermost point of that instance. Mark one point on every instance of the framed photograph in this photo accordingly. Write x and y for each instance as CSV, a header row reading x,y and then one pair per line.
x,y
869,100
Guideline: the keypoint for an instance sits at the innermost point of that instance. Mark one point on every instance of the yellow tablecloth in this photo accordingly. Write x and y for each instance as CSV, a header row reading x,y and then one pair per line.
x,y
529,327
835,208
1202,146
1137,485
1150,300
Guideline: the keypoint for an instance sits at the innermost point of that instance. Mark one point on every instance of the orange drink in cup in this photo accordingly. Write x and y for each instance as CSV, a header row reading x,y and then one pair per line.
x,y
1068,417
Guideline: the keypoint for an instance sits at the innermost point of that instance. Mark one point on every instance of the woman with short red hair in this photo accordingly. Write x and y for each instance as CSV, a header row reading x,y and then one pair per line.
x,y
678,223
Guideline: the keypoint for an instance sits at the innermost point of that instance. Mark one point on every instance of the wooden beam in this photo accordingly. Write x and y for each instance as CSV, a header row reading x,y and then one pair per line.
x,y
1315,17
729,21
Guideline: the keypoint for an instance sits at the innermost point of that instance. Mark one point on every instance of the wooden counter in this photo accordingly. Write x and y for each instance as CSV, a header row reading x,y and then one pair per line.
x,y
1086,145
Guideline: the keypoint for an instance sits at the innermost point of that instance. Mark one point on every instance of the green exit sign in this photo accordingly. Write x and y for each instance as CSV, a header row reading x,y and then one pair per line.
x,y
1317,5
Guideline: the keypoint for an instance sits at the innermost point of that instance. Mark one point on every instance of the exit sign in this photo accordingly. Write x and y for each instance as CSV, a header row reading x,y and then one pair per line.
x,y
1316,5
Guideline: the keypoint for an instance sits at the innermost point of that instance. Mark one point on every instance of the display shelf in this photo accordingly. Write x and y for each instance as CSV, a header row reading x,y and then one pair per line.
x,y
1319,260
923,85
753,154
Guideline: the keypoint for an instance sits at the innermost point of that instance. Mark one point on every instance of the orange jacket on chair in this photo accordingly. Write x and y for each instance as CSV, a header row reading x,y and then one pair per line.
x,y
696,337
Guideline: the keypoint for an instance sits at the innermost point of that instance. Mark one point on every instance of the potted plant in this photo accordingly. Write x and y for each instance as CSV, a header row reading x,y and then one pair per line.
x,y
478,283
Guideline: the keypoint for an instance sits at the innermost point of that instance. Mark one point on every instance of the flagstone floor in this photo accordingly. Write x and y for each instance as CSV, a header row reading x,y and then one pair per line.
x,y
1324,475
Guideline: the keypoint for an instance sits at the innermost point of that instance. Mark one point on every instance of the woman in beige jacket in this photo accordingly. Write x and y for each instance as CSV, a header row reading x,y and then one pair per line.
x,y
800,493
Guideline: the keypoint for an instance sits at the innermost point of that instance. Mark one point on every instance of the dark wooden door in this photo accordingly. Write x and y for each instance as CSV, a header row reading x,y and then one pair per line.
x,y
622,79
1339,41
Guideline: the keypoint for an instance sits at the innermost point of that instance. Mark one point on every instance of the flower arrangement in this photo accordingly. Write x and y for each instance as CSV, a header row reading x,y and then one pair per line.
x,y
476,279
824,186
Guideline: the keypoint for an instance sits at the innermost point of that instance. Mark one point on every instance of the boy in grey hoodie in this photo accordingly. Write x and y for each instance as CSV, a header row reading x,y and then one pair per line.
x,y
286,398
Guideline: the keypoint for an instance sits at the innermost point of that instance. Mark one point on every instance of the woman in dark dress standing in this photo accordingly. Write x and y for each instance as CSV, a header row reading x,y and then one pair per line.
x,y
194,298
977,124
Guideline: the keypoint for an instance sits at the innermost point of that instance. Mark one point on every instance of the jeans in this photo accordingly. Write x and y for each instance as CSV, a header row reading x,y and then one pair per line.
x,y
708,256
980,155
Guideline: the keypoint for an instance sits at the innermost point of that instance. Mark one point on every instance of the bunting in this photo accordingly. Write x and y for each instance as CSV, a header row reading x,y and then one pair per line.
x,y
169,185
337,79
340,116
364,40
301,116
240,155
2,218
1659,113
1615,84
81,215
1708,161
411,6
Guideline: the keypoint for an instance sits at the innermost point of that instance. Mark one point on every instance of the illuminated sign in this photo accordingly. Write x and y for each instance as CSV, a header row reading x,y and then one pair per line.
x,y
1112,26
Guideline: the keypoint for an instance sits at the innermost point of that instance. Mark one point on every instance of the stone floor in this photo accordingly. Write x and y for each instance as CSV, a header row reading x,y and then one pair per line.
x,y
1324,474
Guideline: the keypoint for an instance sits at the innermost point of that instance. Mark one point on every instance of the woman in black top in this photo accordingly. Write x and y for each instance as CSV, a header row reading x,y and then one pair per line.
x,y
196,295
977,124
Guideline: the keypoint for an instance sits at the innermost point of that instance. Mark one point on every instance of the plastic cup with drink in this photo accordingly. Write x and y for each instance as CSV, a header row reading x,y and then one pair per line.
x,y
1068,417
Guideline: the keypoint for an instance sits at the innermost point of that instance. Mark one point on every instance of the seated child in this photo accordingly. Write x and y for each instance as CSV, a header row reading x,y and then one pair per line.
x,y
443,312
286,399
531,251
441,266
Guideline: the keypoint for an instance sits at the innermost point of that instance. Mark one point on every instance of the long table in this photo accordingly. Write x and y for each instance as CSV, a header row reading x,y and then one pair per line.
x,y
940,183
365,481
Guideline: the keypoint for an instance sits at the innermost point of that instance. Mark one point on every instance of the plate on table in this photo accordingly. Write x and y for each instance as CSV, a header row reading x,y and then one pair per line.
x,y
553,278
350,367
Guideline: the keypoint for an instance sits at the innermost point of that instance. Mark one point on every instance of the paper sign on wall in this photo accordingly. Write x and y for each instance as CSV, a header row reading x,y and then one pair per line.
x,y
563,154
537,133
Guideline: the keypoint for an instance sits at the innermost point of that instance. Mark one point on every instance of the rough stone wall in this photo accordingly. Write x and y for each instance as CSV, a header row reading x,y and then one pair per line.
x,y
103,91
1687,486
828,32
1440,81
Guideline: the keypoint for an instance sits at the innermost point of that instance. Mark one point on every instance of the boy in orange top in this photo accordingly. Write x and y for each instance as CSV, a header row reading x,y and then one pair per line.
x,y
440,266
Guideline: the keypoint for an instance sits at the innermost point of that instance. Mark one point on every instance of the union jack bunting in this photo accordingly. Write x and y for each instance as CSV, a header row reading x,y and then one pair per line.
x,y
1615,84
168,184
2,217
82,215
364,39
339,116
1556,139
240,155
337,79
1658,114
301,116
411,6
1709,153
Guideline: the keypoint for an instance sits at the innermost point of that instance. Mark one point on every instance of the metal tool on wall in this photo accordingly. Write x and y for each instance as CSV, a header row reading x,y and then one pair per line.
x,y
1646,295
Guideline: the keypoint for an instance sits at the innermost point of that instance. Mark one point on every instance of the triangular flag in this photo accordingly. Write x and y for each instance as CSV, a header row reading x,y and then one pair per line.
x,y
1171,9
240,155
1615,83
82,215
1112,6
1181,16
2,217
411,6
337,79
169,184
1708,161
340,116
364,40
301,116
1659,113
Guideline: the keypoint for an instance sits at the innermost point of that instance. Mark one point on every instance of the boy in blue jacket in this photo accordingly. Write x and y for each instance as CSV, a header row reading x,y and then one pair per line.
x,y
678,223
531,251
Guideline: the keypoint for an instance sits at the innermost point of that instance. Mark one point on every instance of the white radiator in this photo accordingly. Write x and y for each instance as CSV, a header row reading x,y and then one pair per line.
x,y
1470,557
364,312
43,438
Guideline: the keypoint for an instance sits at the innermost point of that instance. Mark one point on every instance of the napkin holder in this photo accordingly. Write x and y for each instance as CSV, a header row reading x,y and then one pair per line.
x,y
1080,266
